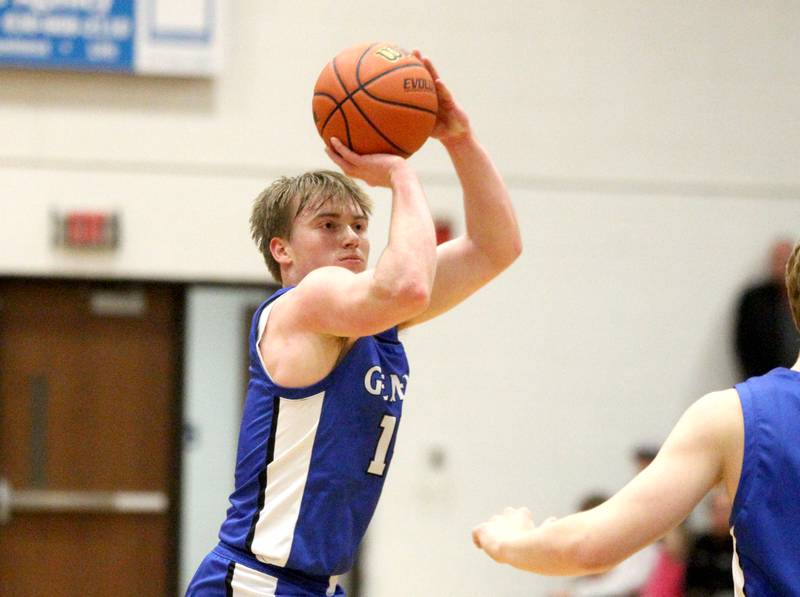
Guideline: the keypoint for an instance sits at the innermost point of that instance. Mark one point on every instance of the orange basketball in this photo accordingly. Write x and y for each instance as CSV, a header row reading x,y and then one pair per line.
x,y
375,98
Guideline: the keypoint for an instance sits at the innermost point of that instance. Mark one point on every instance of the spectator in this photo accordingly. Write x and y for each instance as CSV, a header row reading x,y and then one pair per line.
x,y
708,571
765,334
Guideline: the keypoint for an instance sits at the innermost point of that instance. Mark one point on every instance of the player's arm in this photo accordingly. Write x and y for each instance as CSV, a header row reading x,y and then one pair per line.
x,y
492,240
338,302
694,458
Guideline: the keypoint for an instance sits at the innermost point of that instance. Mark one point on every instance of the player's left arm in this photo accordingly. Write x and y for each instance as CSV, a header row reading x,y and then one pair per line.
x,y
492,240
693,459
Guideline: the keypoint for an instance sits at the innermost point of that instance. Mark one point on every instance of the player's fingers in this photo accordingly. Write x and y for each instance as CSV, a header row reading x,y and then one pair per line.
x,y
426,62
429,65
337,159
344,151
444,94
476,536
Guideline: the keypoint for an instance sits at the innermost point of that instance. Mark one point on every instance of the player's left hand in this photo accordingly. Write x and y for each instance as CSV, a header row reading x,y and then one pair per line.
x,y
512,524
452,122
375,169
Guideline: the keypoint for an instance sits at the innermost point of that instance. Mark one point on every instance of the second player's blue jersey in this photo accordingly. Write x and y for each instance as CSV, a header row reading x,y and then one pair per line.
x,y
766,512
311,461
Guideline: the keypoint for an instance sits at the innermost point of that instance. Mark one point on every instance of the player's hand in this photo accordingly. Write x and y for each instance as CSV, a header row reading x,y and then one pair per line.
x,y
374,169
500,529
452,122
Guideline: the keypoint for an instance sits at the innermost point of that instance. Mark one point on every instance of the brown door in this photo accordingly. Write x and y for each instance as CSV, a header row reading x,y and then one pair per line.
x,y
89,419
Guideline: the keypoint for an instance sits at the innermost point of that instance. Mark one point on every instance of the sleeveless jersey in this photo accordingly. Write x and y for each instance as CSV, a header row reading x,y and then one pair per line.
x,y
765,518
311,461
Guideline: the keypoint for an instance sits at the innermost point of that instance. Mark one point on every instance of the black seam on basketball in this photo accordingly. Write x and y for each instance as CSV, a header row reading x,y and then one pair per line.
x,y
350,95
363,86
383,74
394,103
339,106
358,65
331,113
379,131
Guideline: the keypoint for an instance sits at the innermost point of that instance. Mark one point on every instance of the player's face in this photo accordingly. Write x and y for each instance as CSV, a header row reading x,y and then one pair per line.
x,y
334,233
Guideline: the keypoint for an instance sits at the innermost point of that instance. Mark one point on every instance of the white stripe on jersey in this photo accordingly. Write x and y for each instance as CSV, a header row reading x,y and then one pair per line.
x,y
286,478
247,582
738,573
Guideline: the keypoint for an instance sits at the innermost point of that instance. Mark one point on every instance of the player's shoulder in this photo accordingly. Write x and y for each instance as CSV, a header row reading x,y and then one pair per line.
x,y
310,299
717,405
719,414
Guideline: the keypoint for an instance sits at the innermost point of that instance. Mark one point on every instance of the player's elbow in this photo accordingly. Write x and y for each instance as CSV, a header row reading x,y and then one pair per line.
x,y
403,295
503,255
413,295
515,248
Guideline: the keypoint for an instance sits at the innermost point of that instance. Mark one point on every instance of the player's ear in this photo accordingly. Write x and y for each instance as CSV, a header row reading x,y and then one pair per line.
x,y
280,250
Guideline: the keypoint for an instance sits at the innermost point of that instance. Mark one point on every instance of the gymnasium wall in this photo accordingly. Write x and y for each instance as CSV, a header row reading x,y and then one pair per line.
x,y
651,150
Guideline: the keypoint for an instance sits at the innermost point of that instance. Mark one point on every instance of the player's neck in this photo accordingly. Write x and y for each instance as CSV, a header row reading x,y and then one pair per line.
x,y
796,365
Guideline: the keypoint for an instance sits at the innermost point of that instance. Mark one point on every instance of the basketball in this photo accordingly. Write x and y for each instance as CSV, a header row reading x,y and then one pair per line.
x,y
375,98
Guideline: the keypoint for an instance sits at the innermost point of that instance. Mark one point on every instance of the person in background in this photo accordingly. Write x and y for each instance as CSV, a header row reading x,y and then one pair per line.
x,y
765,335
708,569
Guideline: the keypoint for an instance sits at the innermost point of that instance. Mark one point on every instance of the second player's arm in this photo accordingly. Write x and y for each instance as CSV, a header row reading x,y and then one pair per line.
x,y
696,456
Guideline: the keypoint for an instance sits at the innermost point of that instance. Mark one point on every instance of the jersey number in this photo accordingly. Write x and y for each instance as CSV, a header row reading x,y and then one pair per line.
x,y
378,463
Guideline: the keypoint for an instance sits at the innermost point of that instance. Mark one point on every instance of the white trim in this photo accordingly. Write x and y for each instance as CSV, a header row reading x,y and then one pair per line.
x,y
247,582
297,424
738,573
262,327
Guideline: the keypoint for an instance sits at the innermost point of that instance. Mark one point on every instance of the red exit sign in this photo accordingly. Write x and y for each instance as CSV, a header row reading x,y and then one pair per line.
x,y
86,229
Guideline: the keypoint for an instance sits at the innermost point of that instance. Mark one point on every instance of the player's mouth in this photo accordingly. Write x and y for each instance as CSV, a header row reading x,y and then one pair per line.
x,y
351,259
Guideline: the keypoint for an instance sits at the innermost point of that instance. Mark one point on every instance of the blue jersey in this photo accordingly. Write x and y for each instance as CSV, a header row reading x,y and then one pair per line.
x,y
311,461
765,518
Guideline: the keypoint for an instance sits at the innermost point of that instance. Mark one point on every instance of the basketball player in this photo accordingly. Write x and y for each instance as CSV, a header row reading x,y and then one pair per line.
x,y
328,372
745,437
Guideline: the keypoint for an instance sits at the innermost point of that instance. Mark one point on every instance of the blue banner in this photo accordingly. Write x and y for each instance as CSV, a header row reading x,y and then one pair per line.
x,y
71,34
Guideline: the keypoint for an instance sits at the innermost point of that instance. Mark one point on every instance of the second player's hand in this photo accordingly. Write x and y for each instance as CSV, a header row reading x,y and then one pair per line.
x,y
452,122
500,529
375,169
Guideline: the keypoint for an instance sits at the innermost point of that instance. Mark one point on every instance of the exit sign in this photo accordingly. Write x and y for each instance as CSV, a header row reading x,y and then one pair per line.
x,y
86,230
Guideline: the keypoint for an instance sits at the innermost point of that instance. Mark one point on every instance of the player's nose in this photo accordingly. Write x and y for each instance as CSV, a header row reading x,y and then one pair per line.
x,y
351,237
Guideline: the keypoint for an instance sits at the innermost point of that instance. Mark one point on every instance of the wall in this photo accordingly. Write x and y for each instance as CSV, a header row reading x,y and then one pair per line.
x,y
651,149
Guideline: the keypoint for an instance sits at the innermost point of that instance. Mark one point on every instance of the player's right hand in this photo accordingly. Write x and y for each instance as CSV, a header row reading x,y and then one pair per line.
x,y
492,535
375,169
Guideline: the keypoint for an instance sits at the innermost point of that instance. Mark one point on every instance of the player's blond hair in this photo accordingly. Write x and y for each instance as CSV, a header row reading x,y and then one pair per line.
x,y
277,206
793,284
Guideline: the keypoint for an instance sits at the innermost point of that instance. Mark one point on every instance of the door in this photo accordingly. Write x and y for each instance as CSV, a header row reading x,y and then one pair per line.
x,y
89,454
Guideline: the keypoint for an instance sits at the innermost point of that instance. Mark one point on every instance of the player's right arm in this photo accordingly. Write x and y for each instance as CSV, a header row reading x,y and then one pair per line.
x,y
335,301
704,448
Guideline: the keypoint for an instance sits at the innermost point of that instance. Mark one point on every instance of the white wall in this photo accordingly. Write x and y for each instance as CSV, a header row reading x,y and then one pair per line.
x,y
651,150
